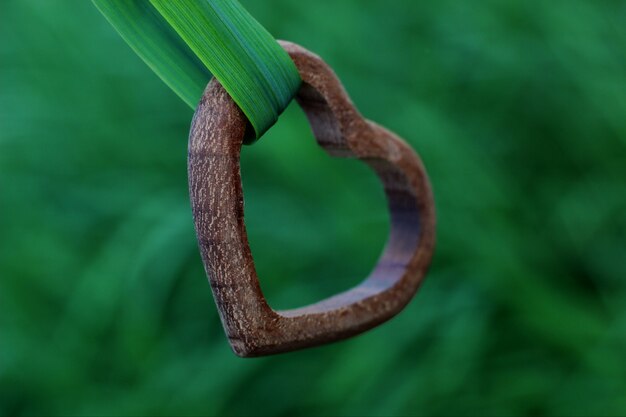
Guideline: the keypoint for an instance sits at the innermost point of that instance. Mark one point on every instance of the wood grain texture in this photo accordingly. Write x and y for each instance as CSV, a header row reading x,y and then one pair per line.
x,y
253,328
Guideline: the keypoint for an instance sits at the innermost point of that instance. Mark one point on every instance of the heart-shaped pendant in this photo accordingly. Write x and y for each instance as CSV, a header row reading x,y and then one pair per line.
x,y
252,327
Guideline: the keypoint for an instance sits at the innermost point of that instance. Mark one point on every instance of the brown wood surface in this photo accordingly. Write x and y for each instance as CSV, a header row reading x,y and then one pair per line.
x,y
253,328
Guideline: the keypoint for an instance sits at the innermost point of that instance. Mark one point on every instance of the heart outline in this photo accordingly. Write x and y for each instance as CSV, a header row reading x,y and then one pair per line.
x,y
253,328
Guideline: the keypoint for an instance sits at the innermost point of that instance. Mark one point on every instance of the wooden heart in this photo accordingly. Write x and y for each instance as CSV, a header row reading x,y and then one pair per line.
x,y
253,328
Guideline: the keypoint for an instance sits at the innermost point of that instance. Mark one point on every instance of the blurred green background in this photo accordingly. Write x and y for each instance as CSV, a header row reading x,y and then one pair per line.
x,y
518,110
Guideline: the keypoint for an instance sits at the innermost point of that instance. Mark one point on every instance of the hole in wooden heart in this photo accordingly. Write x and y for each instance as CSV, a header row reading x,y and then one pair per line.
x,y
316,224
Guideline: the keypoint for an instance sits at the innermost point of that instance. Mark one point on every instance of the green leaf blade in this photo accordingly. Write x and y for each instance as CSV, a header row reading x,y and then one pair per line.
x,y
184,41
158,45
243,56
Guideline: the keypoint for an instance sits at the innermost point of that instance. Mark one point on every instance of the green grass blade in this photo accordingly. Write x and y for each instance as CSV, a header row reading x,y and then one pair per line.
x,y
245,58
184,41
151,37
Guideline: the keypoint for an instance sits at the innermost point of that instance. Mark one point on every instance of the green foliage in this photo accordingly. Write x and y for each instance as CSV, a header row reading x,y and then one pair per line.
x,y
517,109
183,40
